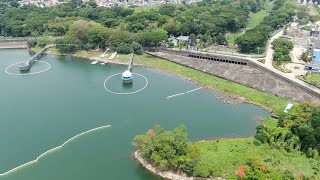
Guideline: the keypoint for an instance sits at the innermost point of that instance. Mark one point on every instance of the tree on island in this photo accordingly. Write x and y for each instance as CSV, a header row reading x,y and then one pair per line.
x,y
168,150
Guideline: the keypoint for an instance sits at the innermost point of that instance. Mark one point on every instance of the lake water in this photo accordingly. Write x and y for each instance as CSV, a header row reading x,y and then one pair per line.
x,y
42,111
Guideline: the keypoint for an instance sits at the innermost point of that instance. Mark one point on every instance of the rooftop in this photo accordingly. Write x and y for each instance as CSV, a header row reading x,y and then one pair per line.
x,y
316,55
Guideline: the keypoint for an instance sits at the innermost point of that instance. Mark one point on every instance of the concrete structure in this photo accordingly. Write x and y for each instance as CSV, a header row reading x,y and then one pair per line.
x,y
244,71
127,75
26,65
13,43
314,65
176,40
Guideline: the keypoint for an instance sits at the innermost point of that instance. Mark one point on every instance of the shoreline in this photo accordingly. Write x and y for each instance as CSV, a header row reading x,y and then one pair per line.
x,y
222,96
167,174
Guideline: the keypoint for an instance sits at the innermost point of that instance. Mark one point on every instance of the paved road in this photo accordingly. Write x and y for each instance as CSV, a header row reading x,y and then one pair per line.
x,y
270,51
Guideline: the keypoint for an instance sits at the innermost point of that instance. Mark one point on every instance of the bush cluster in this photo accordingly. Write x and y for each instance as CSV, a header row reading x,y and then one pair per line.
x,y
282,48
257,37
168,150
297,130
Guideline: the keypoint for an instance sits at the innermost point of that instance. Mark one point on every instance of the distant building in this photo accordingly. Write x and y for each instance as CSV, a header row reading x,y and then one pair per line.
x,y
314,65
176,40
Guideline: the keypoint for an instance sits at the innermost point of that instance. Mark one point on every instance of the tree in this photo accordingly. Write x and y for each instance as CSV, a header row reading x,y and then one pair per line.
x,y
31,42
152,38
282,49
66,45
299,129
92,3
167,149
305,57
282,43
124,48
14,4
192,40
136,47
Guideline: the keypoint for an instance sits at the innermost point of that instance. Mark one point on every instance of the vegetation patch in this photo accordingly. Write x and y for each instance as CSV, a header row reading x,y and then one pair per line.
x,y
280,66
231,37
245,158
298,130
262,61
256,19
226,158
255,40
282,48
312,78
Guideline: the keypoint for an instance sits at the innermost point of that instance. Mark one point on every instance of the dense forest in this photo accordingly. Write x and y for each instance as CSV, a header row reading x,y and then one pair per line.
x,y
256,38
297,130
208,20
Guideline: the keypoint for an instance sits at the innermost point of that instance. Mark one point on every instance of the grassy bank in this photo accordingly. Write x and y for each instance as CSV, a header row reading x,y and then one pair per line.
x,y
231,38
256,19
227,155
268,101
236,151
224,157
313,78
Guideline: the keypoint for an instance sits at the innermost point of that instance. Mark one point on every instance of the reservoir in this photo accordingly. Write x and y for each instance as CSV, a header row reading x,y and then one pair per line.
x,y
42,111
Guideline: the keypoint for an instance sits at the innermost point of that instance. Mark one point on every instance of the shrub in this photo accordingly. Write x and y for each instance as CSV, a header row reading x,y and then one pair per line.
x,y
169,149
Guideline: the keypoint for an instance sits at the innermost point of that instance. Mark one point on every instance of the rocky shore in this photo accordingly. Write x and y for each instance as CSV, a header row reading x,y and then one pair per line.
x,y
167,174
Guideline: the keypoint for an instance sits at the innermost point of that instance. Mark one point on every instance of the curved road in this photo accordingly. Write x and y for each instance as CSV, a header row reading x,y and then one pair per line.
x,y
270,51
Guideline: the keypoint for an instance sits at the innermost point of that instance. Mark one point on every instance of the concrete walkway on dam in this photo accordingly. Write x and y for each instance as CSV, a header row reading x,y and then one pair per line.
x,y
243,74
12,44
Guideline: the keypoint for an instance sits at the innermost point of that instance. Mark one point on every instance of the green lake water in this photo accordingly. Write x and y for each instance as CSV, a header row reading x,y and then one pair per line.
x,y
42,111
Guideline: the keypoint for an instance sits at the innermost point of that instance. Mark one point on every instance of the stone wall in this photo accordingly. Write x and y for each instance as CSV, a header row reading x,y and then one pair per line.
x,y
243,71
13,43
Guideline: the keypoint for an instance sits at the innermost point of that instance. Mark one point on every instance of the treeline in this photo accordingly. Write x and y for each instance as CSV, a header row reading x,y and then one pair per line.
x,y
257,38
208,20
85,35
297,130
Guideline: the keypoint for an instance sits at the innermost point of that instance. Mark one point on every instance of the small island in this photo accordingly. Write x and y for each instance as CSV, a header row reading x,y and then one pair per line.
x,y
287,148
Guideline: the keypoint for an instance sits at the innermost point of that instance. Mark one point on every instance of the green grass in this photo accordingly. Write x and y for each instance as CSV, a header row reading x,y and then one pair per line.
x,y
313,78
280,66
232,36
270,122
87,54
225,156
256,18
262,61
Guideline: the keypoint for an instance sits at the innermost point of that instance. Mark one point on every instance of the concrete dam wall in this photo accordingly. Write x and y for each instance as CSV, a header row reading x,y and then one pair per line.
x,y
242,71
13,43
